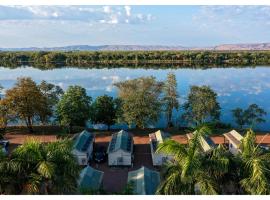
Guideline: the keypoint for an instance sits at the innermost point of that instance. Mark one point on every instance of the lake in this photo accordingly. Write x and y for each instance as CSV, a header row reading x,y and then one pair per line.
x,y
236,87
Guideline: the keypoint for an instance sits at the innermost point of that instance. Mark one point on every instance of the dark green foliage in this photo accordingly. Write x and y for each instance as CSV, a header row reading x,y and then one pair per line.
x,y
46,60
36,168
251,116
105,110
74,108
141,100
52,93
201,105
170,99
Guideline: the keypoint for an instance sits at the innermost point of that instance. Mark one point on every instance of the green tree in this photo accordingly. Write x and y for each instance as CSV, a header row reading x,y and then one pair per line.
x,y
74,108
255,115
255,165
239,116
251,116
5,117
52,94
141,100
45,168
26,101
201,105
105,110
192,171
170,97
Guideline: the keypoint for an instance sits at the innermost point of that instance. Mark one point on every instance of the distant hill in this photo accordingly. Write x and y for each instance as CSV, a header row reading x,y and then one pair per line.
x,y
259,46
223,47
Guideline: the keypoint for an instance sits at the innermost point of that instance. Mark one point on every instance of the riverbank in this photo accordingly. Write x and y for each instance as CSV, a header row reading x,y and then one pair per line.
x,y
133,59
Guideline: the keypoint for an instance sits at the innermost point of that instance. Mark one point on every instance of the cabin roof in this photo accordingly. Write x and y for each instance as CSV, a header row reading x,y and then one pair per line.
x,y
121,140
83,141
158,137
206,142
144,180
189,136
234,137
209,141
90,178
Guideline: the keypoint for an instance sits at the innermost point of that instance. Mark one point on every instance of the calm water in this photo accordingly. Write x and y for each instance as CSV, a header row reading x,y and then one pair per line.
x,y
236,87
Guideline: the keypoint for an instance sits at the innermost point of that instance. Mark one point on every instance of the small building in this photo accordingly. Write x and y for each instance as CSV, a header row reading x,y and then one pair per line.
x,y
90,178
234,140
144,181
205,141
120,149
157,138
83,147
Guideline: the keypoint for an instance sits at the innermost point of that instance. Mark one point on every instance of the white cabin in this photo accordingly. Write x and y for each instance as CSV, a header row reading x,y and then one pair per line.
x,y
205,141
120,150
157,138
234,140
83,147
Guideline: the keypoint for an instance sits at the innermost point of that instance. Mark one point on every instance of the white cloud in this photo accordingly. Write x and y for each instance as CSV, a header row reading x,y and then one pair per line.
x,y
128,10
92,14
233,15
107,9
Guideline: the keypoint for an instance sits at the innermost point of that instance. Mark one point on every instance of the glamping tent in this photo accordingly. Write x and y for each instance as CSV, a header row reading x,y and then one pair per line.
x,y
90,178
155,139
234,139
144,181
120,150
205,141
83,147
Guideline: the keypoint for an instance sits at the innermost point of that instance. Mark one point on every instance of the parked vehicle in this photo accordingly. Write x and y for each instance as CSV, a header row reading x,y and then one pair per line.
x,y
4,146
100,155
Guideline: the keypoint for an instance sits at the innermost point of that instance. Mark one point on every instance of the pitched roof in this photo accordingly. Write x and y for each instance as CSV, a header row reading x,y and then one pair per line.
x,y
121,140
206,142
234,137
158,137
83,140
90,178
189,136
145,181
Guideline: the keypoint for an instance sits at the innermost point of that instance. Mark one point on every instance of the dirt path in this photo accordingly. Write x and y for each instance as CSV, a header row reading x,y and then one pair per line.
x,y
18,139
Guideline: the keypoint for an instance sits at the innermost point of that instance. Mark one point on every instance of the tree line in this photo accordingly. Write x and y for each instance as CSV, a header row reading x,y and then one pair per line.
x,y
92,59
140,103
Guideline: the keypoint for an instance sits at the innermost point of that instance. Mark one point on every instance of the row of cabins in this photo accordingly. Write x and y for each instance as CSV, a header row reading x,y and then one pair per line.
x,y
120,153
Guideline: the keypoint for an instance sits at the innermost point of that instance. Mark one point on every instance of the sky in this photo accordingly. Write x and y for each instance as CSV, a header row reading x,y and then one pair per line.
x,y
190,26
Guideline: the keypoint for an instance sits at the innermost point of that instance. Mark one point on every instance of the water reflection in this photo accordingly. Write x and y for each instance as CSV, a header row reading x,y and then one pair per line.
x,y
236,87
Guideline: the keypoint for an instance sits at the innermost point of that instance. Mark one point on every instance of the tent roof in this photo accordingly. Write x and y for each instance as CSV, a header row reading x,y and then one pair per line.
x,y
158,137
83,141
121,140
90,178
145,181
234,137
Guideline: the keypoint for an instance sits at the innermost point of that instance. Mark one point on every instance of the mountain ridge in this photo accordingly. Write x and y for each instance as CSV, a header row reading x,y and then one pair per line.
x,y
221,47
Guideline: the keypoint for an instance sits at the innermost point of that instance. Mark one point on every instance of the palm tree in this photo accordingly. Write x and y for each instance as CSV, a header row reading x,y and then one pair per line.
x,y
192,171
255,165
45,168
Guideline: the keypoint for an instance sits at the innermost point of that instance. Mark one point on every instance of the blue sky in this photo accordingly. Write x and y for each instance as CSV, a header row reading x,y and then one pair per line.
x,y
46,26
